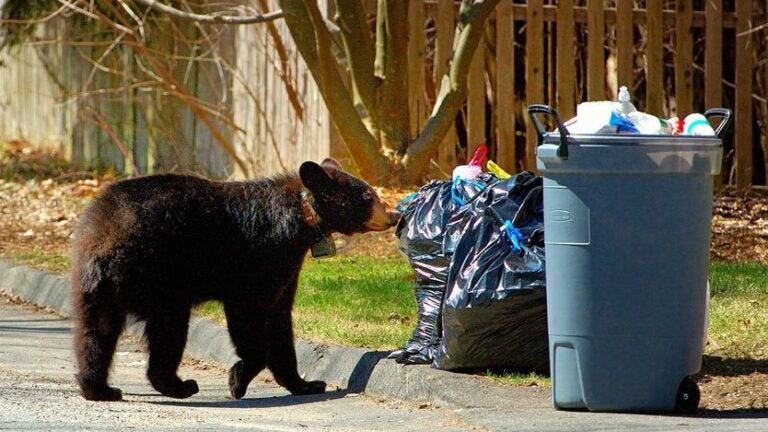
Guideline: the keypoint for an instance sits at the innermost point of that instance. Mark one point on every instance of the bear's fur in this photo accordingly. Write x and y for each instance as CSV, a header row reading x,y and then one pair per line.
x,y
155,246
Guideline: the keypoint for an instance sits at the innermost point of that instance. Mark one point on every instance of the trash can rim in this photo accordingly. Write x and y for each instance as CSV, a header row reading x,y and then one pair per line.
x,y
553,137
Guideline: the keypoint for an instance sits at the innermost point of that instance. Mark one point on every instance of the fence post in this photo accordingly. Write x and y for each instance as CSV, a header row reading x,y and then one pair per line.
x,y
534,75
625,55
566,65
713,59
654,58
505,86
683,58
743,114
444,28
595,49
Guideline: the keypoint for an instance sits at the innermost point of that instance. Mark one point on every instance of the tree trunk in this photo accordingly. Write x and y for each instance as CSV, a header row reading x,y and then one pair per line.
x,y
314,47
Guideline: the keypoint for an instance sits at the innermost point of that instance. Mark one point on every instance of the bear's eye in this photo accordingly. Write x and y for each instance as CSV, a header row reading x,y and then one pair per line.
x,y
367,196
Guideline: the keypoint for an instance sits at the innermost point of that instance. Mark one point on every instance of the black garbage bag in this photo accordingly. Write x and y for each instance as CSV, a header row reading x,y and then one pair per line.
x,y
422,345
420,232
494,310
506,195
423,222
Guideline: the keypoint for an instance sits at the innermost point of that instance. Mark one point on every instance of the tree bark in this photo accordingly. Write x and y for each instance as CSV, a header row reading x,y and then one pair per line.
x,y
314,47
392,68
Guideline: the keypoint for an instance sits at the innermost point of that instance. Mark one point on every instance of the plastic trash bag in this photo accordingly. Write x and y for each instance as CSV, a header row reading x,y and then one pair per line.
x,y
423,343
424,219
494,310
420,234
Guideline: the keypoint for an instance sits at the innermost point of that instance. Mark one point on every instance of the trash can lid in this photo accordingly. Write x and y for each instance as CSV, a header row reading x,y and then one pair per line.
x,y
630,154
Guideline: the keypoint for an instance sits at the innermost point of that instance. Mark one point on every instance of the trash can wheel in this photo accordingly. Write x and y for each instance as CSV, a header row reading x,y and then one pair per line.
x,y
688,396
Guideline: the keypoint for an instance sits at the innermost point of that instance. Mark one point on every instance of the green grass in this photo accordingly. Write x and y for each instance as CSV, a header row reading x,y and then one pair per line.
x,y
518,379
51,261
361,301
738,311
749,279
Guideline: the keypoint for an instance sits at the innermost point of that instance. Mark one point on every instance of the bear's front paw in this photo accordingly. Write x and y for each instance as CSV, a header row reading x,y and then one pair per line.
x,y
309,387
236,387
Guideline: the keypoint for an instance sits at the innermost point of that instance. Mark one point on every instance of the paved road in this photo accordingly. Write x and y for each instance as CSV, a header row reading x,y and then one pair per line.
x,y
37,392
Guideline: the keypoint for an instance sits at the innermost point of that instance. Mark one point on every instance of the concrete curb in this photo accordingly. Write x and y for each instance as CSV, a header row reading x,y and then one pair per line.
x,y
351,369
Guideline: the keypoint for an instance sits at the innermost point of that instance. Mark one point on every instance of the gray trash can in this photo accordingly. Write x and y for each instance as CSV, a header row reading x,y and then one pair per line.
x,y
627,232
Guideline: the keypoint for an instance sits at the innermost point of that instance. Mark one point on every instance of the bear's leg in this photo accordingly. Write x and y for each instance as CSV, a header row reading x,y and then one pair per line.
x,y
166,337
98,327
246,328
282,356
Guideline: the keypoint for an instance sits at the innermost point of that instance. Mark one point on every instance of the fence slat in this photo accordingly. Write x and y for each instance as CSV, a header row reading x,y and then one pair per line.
x,y
743,114
505,86
476,101
654,58
444,26
595,50
566,64
625,55
683,58
713,54
534,74
713,59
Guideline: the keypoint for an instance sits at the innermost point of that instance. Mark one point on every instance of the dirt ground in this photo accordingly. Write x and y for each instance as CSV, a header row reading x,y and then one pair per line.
x,y
38,215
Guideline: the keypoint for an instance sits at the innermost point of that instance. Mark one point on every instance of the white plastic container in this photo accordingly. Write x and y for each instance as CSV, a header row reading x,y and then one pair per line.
x,y
697,124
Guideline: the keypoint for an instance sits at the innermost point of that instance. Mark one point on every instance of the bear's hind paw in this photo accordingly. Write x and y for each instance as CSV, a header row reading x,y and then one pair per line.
x,y
309,387
106,394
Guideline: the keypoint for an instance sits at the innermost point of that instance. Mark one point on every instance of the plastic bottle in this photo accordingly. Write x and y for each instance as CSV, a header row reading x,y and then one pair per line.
x,y
625,103
697,124
648,124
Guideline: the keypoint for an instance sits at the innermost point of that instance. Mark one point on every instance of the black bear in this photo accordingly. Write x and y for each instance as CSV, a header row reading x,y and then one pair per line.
x,y
155,246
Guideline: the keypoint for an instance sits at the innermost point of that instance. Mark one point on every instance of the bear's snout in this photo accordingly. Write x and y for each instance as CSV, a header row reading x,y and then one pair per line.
x,y
381,219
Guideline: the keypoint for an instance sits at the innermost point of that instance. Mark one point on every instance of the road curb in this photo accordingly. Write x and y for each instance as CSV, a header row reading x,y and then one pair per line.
x,y
351,369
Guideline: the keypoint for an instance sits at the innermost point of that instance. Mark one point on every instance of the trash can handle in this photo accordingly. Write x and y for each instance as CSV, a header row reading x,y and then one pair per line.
x,y
562,150
725,113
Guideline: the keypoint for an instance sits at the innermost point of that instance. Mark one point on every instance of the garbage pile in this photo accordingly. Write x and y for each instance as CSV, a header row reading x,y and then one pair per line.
x,y
621,117
476,244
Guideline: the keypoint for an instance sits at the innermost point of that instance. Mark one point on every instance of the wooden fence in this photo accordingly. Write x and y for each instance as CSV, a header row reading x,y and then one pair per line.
x,y
87,101
677,57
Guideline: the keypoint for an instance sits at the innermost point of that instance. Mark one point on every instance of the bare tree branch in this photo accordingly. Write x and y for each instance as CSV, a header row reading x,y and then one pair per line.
x,y
211,19
285,70
392,67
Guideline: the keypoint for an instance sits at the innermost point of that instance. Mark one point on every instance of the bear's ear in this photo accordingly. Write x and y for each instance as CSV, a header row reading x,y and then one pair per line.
x,y
331,163
315,178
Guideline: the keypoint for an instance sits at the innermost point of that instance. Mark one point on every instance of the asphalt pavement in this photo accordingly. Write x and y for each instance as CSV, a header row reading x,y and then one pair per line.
x,y
473,399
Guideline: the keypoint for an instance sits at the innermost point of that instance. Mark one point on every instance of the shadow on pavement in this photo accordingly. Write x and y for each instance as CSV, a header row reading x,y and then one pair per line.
x,y
266,402
733,414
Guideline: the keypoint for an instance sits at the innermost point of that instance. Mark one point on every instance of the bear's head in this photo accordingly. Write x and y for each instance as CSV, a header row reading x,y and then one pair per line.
x,y
345,203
